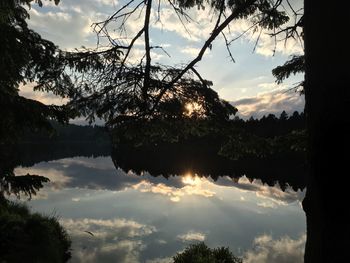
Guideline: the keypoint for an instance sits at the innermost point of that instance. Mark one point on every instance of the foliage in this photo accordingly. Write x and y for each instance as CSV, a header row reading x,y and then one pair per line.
x,y
16,184
163,130
25,57
293,66
236,138
117,96
28,184
20,114
200,253
249,145
30,237
265,137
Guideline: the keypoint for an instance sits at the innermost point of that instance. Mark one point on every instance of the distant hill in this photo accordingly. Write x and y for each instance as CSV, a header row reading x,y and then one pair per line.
x,y
69,133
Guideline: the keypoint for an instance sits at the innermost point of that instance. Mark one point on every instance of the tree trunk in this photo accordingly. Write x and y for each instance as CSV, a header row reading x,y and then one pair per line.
x,y
327,112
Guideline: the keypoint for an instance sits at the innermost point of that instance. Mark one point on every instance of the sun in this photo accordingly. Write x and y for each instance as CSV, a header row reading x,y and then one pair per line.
x,y
193,108
189,179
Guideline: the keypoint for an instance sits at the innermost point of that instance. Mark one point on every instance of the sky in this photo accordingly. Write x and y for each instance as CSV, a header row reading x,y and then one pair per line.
x,y
248,83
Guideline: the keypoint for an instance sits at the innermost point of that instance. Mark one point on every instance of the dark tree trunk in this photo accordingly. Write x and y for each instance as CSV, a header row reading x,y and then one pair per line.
x,y
327,108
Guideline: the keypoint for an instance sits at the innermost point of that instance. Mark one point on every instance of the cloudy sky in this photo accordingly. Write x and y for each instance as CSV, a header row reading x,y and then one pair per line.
x,y
247,83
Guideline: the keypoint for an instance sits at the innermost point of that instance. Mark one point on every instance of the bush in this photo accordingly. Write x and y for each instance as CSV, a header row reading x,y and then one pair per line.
x,y
27,237
200,253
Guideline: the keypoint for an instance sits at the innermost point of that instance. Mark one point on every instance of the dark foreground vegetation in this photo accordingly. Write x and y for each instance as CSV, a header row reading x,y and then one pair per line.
x,y
30,237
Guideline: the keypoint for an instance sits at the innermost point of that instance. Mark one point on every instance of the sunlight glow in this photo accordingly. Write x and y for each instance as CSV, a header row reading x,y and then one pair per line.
x,y
193,186
193,108
189,179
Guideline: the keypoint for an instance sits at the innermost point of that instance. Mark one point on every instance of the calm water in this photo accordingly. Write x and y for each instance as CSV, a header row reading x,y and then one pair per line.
x,y
117,216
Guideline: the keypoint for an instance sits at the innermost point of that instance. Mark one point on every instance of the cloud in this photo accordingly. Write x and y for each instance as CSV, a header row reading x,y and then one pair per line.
x,y
69,30
47,98
246,101
113,240
192,236
195,30
82,172
98,173
283,250
198,186
108,229
98,163
267,45
57,178
109,3
269,197
270,102
101,174
160,260
192,51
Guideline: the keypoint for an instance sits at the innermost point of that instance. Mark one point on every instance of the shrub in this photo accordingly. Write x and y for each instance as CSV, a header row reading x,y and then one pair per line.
x,y
31,237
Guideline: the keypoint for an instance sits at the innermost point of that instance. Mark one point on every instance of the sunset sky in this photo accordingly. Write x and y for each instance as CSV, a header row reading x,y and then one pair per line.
x,y
248,83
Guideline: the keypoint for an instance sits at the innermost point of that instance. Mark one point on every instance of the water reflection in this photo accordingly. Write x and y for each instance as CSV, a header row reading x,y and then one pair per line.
x,y
117,216
169,159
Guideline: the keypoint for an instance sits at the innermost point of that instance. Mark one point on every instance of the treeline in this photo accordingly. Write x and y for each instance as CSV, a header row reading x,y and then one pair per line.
x,y
270,125
68,133
235,136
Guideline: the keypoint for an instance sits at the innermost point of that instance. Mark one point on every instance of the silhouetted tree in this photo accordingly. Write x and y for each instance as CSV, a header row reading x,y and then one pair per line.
x,y
25,57
283,116
200,253
327,100
120,89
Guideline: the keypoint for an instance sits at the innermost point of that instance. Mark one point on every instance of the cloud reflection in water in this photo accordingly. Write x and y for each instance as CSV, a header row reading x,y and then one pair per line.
x,y
135,218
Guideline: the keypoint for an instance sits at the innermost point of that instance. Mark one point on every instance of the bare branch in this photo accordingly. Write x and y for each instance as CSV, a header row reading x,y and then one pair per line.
x,y
103,24
158,11
244,32
291,8
160,47
221,11
179,12
138,35
257,40
199,77
228,47
234,14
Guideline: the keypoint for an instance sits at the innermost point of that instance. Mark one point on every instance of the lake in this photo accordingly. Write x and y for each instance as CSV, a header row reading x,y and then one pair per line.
x,y
114,215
